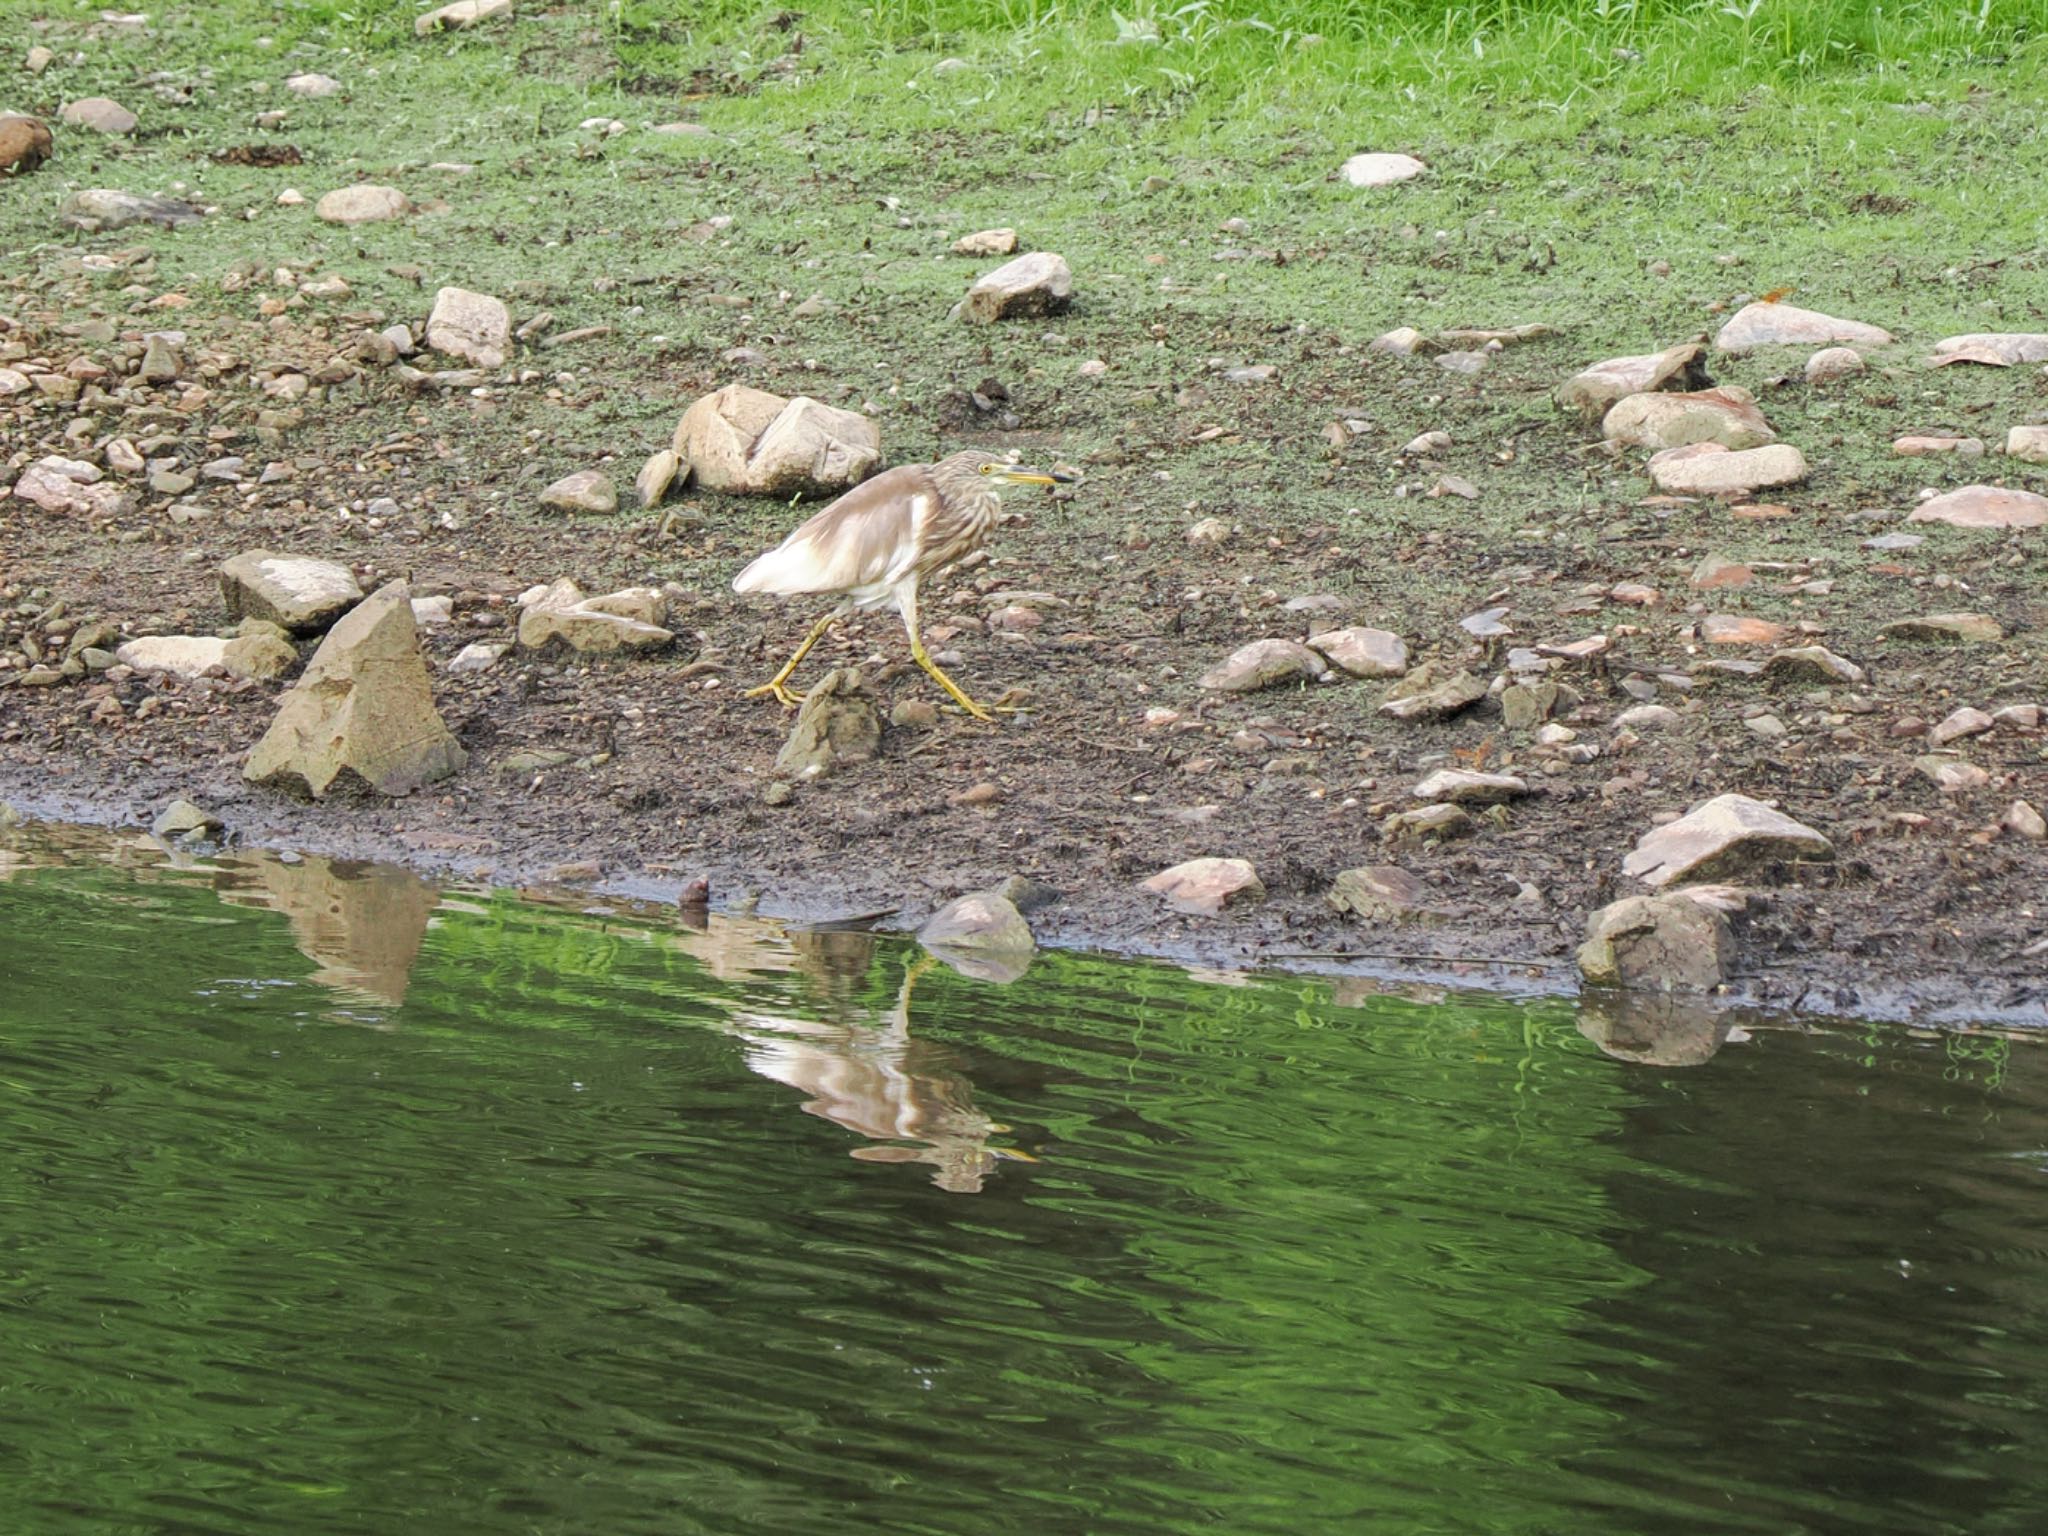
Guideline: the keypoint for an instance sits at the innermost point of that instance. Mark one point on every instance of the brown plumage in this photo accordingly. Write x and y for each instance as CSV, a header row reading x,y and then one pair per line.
x,y
875,544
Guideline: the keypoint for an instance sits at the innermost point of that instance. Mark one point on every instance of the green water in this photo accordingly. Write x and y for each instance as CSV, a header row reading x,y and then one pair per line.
x,y
332,1202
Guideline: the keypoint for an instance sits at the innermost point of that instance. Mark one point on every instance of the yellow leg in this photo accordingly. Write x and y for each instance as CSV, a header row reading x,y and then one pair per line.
x,y
789,697
907,602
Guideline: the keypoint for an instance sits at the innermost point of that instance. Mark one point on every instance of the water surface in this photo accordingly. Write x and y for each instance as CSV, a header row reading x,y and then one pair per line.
x,y
336,1202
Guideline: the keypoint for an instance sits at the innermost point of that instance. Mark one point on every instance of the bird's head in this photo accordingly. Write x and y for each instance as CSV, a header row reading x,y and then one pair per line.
x,y
997,472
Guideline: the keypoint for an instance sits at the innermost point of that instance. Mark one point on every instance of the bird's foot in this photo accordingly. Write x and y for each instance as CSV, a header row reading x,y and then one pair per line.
x,y
787,697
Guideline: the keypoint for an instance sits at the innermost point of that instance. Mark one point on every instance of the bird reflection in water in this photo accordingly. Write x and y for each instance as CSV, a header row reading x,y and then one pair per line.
x,y
878,1082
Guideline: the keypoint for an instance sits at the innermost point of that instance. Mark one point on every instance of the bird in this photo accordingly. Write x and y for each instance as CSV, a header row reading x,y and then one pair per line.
x,y
875,544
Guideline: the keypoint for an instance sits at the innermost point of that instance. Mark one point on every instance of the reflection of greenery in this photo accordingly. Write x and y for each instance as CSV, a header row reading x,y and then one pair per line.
x,y
543,1255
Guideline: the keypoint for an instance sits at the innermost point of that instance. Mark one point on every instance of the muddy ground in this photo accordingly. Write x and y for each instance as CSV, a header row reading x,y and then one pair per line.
x,y
653,771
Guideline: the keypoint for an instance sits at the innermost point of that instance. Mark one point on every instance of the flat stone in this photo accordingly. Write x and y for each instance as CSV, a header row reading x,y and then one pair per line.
x,y
1770,727
1360,651
1716,571
1961,723
656,476
1895,541
1427,821
1994,349
1772,325
1952,776
1524,706
748,441
1264,664
58,484
1376,893
837,726
1402,341
1432,691
986,242
1648,717
1832,363
1210,531
1977,628
1206,886
2020,717
432,611
362,712
363,203
478,656
1462,787
1984,506
1601,385
1380,170
1659,943
1812,663
464,13
14,382
2028,444
1669,419
1721,838
588,490
302,595
100,114
184,822
182,655
1037,284
616,622
1708,469
1740,629
312,85
261,657
98,209
474,327
1920,445
983,921
2022,820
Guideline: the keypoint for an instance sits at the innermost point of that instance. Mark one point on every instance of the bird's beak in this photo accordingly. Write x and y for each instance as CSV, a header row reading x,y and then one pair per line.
x,y
1022,476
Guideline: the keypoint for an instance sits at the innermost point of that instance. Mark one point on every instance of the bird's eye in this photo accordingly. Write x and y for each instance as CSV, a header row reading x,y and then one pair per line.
x,y
988,469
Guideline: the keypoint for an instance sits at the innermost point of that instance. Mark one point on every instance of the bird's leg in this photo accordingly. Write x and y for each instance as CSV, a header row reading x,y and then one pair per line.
x,y
789,697
906,599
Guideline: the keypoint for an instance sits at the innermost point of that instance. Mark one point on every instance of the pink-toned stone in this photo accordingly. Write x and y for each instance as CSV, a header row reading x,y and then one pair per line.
x,y
1916,445
1714,840
1708,469
1994,349
1740,629
1773,325
1206,886
1984,506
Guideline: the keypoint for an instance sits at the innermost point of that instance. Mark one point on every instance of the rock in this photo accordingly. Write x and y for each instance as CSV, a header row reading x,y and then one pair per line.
x,y
1890,541
1770,727
1734,629
1427,821
2020,717
1206,886
1720,838
313,86
1524,706
1432,691
1264,664
1363,652
1426,445
986,242
656,476
438,610
1952,776
102,208
477,656
1037,284
1461,787
914,714
1812,663
1920,445
1380,170
38,59
1657,943
1402,341
628,620
1209,531
99,114
302,595
464,13
1995,349
184,655
1376,893
58,484
1715,572
25,143
1984,506
588,490
2022,820
1727,416
160,362
262,658
981,920
1980,628
1832,363
363,711
1963,722
1708,469
1776,325
471,326
838,726
2028,444
183,822
1648,717
14,382
749,441
1600,386
362,204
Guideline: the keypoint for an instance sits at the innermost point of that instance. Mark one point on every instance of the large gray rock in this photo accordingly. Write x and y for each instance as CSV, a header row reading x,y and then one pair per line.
x,y
1708,469
100,113
102,208
587,490
1376,893
981,934
1206,886
1994,349
1660,943
1363,652
1787,325
1263,664
471,326
749,441
1722,837
628,620
1037,284
299,594
1591,393
1727,415
1983,506
838,726
363,712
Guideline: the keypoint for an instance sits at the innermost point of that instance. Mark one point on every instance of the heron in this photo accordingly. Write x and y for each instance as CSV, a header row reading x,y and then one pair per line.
x,y
877,542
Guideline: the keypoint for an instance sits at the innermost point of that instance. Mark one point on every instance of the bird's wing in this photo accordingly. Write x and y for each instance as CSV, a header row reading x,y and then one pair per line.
x,y
868,537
